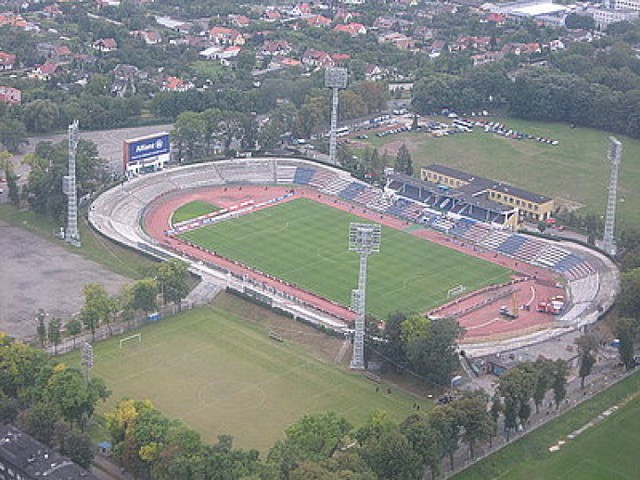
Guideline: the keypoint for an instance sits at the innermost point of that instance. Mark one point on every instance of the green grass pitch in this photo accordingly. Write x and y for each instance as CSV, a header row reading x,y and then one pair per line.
x,y
223,375
605,451
576,169
305,243
192,210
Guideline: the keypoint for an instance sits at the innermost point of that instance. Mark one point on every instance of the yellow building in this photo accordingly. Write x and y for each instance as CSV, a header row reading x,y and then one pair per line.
x,y
531,206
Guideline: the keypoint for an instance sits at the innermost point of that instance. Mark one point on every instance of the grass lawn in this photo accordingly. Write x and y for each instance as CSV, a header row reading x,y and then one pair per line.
x,y
608,450
223,375
192,210
305,243
576,169
95,247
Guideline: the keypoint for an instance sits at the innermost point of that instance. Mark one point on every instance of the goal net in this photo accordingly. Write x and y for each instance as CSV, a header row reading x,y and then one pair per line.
x,y
131,339
455,291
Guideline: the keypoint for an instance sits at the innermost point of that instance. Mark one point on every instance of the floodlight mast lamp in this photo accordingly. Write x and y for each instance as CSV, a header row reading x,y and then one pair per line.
x,y
335,79
614,156
364,238
72,235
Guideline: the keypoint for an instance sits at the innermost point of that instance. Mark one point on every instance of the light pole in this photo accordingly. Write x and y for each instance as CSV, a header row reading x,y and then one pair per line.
x,y
335,79
364,238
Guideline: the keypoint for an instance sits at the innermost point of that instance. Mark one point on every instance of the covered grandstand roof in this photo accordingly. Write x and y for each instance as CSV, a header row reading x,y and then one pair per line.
x,y
478,184
468,194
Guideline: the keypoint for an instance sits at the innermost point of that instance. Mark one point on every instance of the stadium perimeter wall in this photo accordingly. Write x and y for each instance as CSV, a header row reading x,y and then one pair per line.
x,y
117,214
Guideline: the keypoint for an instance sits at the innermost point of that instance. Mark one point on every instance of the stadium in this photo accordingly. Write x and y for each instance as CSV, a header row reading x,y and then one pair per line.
x,y
296,212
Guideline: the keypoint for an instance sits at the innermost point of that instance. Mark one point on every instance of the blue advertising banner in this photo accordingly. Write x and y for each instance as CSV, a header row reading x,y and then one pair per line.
x,y
148,147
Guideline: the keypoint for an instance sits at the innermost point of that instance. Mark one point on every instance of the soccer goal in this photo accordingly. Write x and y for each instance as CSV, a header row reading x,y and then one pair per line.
x,y
135,338
456,291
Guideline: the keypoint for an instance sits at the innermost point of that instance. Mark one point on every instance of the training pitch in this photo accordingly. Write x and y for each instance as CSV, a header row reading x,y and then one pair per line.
x,y
221,374
305,244
605,451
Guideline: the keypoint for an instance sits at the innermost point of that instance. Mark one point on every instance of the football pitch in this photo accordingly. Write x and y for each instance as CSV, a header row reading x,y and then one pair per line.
x,y
605,451
305,243
221,374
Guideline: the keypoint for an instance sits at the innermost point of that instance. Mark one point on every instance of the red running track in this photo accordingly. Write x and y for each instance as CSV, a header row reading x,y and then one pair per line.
x,y
483,323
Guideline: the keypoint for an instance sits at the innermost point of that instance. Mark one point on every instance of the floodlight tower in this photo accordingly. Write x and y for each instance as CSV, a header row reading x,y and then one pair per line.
x,y
335,79
72,235
364,238
614,155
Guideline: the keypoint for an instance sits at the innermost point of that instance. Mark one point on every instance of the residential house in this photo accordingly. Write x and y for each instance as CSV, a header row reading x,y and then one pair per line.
x,y
46,71
105,45
486,57
226,36
284,62
52,10
10,95
340,59
317,59
373,73
318,21
22,457
174,84
352,29
222,54
343,16
150,37
400,40
7,61
466,42
273,48
239,21
496,18
300,10
270,15
436,48
179,26
125,78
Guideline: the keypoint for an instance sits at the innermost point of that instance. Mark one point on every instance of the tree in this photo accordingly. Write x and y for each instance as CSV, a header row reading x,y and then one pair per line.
x,y
496,408
587,346
39,421
73,396
573,21
144,293
54,333
625,332
629,297
98,307
431,347
315,437
474,419
543,382
74,328
391,456
404,163
394,348
443,419
78,447
542,226
173,281
13,134
560,373
41,116
41,329
426,441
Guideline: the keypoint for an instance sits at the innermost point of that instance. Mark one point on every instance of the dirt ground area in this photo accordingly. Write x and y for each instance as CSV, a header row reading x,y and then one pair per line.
x,y
35,273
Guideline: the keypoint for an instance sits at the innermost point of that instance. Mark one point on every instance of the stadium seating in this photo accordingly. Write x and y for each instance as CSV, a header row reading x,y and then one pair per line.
x,y
303,175
381,203
495,239
321,179
367,195
511,245
336,185
529,250
285,174
351,191
206,175
477,233
234,171
461,227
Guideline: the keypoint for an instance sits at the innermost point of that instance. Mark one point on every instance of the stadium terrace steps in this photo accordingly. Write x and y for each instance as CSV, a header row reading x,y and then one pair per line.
x,y
529,250
367,195
321,179
336,185
511,244
197,178
146,193
351,191
303,175
442,224
242,172
477,233
381,203
495,239
285,174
